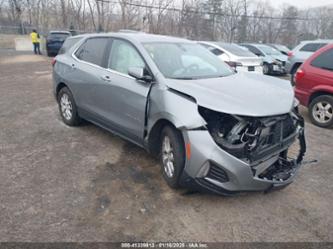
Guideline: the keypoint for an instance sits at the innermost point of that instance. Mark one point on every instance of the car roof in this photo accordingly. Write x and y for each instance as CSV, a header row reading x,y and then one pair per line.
x,y
141,37
317,41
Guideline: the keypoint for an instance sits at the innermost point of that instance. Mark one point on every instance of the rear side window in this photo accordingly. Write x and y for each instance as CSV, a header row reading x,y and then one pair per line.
x,y
212,49
217,51
324,60
93,51
312,47
254,50
68,44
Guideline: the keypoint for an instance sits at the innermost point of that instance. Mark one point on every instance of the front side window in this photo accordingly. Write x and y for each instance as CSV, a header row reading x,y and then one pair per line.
x,y
324,60
93,51
123,56
186,61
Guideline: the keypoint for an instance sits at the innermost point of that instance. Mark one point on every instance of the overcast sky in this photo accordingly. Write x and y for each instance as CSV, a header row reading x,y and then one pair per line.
x,y
302,3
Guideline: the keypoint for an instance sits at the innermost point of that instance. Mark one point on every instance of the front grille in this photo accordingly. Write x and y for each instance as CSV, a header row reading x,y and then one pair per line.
x,y
217,173
275,137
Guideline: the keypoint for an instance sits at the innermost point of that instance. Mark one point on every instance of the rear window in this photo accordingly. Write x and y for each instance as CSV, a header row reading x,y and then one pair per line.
x,y
324,60
58,36
93,51
68,44
235,49
312,47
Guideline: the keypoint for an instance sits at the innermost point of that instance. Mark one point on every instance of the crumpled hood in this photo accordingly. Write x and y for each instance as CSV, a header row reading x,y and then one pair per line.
x,y
244,94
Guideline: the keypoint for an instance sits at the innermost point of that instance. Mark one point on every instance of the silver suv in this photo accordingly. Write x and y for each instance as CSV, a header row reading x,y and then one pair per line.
x,y
213,129
302,52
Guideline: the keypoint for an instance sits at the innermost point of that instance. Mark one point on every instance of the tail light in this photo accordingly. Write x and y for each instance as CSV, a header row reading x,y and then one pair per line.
x,y
53,62
299,74
290,54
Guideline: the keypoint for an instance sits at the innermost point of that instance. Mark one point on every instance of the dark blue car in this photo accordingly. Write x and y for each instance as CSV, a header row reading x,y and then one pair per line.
x,y
54,41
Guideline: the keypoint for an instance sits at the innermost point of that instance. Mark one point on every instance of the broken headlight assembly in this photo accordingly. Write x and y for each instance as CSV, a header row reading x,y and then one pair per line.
x,y
253,139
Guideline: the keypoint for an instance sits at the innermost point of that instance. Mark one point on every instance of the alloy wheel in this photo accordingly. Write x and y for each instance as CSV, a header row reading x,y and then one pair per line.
x,y
66,106
168,157
322,112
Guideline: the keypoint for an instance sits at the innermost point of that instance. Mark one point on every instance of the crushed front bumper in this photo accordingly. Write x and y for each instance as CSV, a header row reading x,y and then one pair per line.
x,y
213,169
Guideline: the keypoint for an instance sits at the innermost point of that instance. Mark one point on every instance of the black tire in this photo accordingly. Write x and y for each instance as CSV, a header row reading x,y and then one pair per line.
x,y
178,151
313,107
73,119
266,69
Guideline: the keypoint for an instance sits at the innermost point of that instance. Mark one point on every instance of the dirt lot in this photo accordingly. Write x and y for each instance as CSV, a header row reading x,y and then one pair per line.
x,y
83,184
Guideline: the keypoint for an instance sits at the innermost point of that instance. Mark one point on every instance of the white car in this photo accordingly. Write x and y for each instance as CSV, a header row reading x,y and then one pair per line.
x,y
238,57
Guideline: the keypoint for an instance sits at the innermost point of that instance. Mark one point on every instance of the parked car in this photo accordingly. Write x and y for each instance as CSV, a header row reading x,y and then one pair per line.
x,y
273,60
237,57
213,129
54,41
302,52
282,48
314,86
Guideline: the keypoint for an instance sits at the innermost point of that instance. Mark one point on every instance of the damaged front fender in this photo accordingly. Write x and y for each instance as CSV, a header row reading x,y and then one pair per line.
x,y
179,109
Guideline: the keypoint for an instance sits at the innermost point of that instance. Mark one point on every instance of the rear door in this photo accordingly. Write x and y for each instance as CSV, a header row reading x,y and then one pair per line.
x,y
120,98
87,67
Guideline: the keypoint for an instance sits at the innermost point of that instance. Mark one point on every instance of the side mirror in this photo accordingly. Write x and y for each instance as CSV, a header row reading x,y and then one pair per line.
x,y
139,74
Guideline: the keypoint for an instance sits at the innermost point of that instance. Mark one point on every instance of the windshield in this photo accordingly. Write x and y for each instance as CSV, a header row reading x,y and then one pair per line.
x,y
186,61
269,50
235,49
282,47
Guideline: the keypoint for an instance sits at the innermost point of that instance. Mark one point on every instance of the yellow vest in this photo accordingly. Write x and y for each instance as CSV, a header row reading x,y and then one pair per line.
x,y
34,37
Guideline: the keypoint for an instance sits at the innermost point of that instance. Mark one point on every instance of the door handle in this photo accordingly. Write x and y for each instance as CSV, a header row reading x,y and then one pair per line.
x,y
106,78
73,66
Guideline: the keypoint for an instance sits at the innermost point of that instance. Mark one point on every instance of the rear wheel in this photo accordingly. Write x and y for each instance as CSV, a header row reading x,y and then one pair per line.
x,y
321,111
172,155
67,107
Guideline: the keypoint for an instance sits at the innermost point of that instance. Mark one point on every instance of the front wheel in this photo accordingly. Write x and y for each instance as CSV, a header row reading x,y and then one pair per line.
x,y
321,111
172,155
266,69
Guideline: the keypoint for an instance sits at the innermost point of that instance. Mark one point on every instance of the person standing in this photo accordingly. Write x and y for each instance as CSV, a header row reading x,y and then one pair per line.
x,y
35,41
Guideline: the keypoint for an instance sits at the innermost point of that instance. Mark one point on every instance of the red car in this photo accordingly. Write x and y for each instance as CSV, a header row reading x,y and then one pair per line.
x,y
314,86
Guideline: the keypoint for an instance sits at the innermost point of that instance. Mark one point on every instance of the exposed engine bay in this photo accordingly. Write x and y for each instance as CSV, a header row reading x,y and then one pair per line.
x,y
254,139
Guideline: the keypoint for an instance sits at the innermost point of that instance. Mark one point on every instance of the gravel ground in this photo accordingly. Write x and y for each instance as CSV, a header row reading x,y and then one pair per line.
x,y
84,184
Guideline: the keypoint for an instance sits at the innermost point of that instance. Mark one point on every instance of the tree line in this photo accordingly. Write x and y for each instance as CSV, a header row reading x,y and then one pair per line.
x,y
223,20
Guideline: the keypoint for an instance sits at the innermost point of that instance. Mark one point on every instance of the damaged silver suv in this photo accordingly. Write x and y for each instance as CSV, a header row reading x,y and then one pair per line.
x,y
213,129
